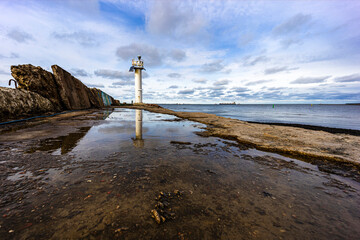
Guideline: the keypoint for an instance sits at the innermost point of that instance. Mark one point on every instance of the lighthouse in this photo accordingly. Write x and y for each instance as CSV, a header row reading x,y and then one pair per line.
x,y
137,66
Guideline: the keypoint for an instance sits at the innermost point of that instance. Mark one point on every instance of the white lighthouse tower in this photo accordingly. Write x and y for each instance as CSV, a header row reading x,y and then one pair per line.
x,y
138,66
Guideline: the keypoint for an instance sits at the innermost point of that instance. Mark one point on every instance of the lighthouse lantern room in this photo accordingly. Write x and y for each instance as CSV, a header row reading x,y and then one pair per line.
x,y
138,66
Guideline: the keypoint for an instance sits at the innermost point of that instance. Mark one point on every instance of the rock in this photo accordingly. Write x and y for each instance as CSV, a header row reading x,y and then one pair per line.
x,y
116,102
19,102
38,80
94,98
73,93
179,142
210,171
266,194
97,93
121,229
156,216
162,210
64,92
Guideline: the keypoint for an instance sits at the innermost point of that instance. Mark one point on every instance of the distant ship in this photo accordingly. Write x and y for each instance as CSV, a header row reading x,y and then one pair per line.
x,y
233,103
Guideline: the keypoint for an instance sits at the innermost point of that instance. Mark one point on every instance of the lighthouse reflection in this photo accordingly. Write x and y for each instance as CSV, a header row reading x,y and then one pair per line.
x,y
138,140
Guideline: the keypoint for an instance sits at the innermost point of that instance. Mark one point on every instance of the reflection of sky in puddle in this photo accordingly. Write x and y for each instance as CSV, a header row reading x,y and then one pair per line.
x,y
118,133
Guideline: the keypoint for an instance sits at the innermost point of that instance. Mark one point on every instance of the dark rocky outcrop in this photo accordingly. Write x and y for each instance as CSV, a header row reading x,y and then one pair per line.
x,y
73,93
43,91
38,80
20,102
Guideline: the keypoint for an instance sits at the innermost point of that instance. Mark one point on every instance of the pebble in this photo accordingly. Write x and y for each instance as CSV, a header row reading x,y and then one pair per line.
x,y
121,229
156,216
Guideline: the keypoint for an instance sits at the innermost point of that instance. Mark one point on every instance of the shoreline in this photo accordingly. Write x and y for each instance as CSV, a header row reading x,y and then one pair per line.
x,y
333,130
310,143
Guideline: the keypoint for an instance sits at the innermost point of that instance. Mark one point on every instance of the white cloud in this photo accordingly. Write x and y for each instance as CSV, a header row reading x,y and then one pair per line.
x,y
174,18
112,74
214,66
201,80
20,36
348,78
186,91
306,80
221,82
150,54
174,75
293,25
84,38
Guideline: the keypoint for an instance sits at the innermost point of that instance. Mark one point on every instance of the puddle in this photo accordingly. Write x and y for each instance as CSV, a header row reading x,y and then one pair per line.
x,y
105,180
60,145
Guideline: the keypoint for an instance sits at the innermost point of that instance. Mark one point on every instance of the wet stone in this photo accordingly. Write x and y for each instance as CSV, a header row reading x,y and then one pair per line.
x,y
181,143
163,206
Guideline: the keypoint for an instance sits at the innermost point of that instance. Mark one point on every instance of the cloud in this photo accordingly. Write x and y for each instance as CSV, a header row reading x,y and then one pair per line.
x,y
150,54
174,75
186,91
212,67
79,72
227,71
239,89
257,82
307,80
276,88
174,19
4,72
178,55
20,36
84,38
145,75
173,86
290,41
218,87
277,69
251,61
323,96
112,74
12,55
294,24
201,80
215,93
221,82
90,85
123,83
349,78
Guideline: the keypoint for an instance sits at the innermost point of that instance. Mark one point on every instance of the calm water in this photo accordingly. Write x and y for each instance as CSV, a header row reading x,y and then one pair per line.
x,y
336,116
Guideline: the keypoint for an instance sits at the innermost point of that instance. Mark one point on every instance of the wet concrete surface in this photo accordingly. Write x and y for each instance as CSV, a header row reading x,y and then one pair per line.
x,y
97,176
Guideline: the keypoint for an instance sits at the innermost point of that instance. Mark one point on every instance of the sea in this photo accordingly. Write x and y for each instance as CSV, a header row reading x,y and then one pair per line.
x,y
325,115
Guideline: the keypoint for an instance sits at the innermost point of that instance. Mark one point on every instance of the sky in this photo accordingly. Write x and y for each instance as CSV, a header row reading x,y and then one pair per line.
x,y
300,51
